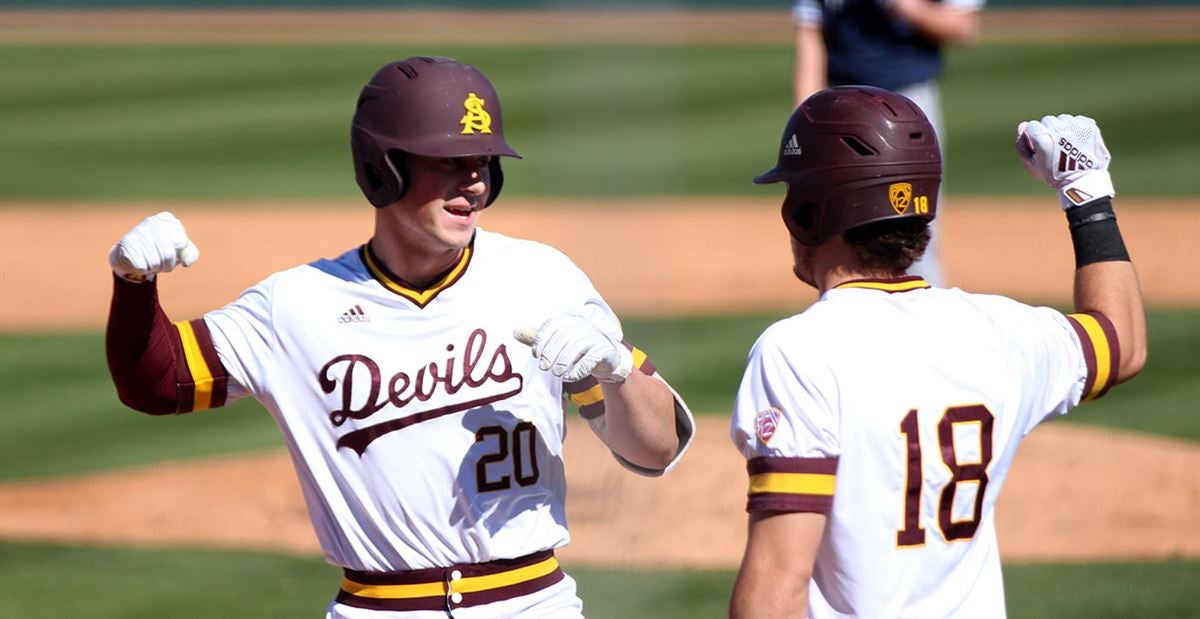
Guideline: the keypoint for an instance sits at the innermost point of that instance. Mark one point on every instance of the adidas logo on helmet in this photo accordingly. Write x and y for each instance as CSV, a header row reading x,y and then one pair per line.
x,y
792,148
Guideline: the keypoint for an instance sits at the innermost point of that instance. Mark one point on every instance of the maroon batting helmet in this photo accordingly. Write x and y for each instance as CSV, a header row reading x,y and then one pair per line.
x,y
430,106
854,155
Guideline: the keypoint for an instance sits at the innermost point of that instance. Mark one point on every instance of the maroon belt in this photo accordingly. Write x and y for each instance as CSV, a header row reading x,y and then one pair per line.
x,y
447,588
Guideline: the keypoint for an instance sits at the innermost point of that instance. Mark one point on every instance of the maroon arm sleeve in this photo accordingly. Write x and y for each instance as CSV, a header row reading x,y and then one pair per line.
x,y
158,367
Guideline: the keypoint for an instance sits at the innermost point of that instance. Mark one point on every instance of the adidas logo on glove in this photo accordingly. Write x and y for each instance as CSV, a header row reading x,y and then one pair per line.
x,y
1070,157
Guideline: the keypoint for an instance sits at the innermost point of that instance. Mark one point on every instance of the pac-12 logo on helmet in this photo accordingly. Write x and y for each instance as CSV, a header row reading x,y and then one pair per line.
x,y
900,194
766,423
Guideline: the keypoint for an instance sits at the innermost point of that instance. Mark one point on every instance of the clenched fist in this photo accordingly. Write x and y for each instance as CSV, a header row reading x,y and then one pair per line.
x,y
1067,153
156,245
572,347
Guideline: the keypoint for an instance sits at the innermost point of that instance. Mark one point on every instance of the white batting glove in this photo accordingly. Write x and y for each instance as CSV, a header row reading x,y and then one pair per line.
x,y
572,347
1067,153
153,246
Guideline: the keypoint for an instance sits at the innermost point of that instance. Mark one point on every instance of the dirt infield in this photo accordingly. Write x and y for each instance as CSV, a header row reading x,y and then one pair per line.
x,y
1074,494
677,256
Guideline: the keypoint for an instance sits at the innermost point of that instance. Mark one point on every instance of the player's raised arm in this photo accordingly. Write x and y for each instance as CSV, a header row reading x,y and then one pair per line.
x,y
147,354
1068,153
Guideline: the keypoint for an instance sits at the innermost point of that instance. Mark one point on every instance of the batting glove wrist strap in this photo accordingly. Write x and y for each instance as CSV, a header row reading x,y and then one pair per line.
x,y
1088,187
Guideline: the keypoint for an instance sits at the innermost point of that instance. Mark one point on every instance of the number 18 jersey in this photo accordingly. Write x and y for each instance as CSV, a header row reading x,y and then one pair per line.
x,y
896,409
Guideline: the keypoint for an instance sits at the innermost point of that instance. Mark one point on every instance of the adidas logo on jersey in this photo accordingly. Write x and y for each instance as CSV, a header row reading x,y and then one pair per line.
x,y
792,148
354,314
1071,158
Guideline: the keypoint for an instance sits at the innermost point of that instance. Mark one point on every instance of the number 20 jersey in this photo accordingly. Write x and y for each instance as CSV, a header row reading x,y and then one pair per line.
x,y
896,408
422,433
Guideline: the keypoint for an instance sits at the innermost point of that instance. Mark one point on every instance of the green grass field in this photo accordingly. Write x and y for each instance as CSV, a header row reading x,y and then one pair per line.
x,y
229,123
143,122
51,582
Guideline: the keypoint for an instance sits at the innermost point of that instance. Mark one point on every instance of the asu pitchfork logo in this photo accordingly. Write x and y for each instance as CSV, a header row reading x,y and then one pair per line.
x,y
476,118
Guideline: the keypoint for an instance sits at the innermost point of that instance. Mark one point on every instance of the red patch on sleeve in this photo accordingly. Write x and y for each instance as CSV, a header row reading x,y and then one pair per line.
x,y
766,423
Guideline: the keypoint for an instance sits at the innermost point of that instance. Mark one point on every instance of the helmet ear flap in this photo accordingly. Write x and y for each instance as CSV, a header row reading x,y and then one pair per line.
x,y
497,175
381,176
800,217
397,163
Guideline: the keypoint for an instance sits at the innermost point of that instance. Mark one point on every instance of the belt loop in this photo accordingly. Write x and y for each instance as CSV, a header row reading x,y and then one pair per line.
x,y
449,577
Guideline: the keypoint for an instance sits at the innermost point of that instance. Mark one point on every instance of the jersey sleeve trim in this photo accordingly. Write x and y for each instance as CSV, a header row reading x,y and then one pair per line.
x,y
587,393
205,384
1101,351
791,484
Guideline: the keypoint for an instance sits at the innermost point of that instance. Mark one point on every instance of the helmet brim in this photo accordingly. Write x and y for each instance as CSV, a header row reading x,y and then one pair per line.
x,y
774,175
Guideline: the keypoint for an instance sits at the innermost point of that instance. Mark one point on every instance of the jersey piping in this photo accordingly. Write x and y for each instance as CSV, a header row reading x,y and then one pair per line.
x,y
901,284
419,297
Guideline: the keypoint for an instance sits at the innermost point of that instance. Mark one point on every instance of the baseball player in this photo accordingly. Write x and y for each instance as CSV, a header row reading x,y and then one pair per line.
x,y
894,44
879,424
427,439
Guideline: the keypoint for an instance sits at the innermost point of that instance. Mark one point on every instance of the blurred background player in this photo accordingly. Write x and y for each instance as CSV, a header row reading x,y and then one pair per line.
x,y
427,440
891,44
879,424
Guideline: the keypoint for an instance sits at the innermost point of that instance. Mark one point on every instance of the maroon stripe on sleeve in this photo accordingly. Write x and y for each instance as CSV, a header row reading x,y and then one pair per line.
x,y
592,411
1089,353
581,385
825,466
647,366
1114,350
209,352
778,502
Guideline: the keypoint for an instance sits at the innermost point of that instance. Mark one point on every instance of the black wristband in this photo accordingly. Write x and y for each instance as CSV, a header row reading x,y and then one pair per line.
x,y
1095,234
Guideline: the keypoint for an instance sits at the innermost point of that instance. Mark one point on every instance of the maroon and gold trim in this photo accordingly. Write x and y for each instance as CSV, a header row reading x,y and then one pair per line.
x,y
901,284
202,379
587,394
396,284
791,484
435,589
1101,350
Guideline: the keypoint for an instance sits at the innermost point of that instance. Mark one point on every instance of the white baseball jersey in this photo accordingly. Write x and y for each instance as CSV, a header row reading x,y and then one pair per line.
x,y
423,434
896,409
